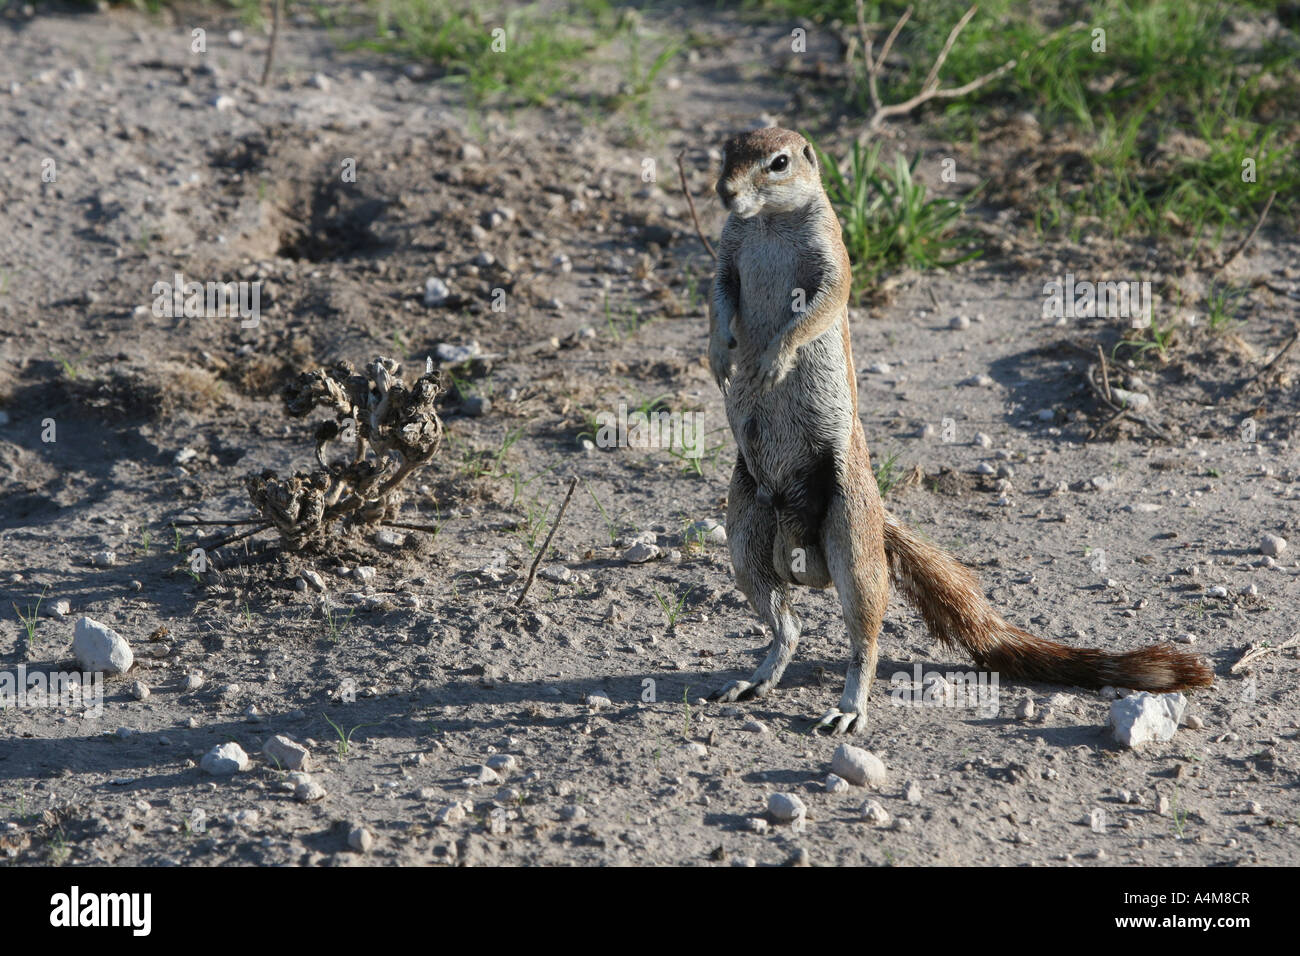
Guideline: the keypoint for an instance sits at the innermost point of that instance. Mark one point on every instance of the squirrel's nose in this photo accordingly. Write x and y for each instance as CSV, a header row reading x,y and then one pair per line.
x,y
725,192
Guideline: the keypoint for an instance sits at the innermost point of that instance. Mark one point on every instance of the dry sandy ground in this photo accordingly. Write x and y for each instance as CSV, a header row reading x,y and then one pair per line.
x,y
602,274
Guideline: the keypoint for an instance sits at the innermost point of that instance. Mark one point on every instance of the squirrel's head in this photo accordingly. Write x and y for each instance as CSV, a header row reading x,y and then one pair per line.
x,y
768,171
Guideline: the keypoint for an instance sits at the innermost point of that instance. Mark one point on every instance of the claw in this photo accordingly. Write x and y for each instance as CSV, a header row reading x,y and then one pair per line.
x,y
838,723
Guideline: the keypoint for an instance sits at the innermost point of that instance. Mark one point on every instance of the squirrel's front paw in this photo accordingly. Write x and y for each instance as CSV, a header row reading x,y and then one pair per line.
x,y
720,362
774,367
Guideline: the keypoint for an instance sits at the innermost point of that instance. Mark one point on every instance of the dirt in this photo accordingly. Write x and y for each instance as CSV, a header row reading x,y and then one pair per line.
x,y
1101,534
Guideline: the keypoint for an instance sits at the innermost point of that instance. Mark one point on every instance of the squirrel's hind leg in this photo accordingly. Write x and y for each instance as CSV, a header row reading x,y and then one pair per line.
x,y
751,532
854,543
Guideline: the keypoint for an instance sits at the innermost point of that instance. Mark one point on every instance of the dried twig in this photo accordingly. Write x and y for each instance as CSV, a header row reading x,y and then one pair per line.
x,y
237,537
864,35
1105,372
931,89
191,522
532,572
406,526
1274,363
275,35
1241,247
690,201
1261,649
1122,412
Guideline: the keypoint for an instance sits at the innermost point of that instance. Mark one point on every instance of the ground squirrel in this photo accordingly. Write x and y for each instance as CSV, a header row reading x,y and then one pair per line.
x,y
803,505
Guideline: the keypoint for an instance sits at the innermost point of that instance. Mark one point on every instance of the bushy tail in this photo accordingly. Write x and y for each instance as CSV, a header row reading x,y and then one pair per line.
x,y
947,595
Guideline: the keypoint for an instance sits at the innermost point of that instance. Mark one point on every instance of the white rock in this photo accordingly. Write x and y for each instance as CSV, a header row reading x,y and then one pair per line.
x,y
875,814
912,792
836,784
58,608
436,293
1025,709
707,530
224,759
309,791
140,690
859,767
641,552
99,648
451,814
1272,545
455,354
104,559
1143,718
485,777
389,539
755,727
361,840
503,763
287,753
1134,400
224,103
598,701
786,807
365,574
696,749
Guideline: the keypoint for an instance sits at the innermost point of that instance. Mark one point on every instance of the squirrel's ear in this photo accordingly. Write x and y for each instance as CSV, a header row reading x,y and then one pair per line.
x,y
809,155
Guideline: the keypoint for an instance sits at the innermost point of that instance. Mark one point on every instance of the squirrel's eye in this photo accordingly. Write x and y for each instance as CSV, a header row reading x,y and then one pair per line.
x,y
780,163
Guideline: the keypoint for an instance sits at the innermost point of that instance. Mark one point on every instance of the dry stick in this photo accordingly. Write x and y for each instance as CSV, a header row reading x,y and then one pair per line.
x,y
270,49
681,171
237,537
931,88
431,529
1245,242
865,38
190,522
1125,412
1105,372
1277,358
532,572
1261,649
